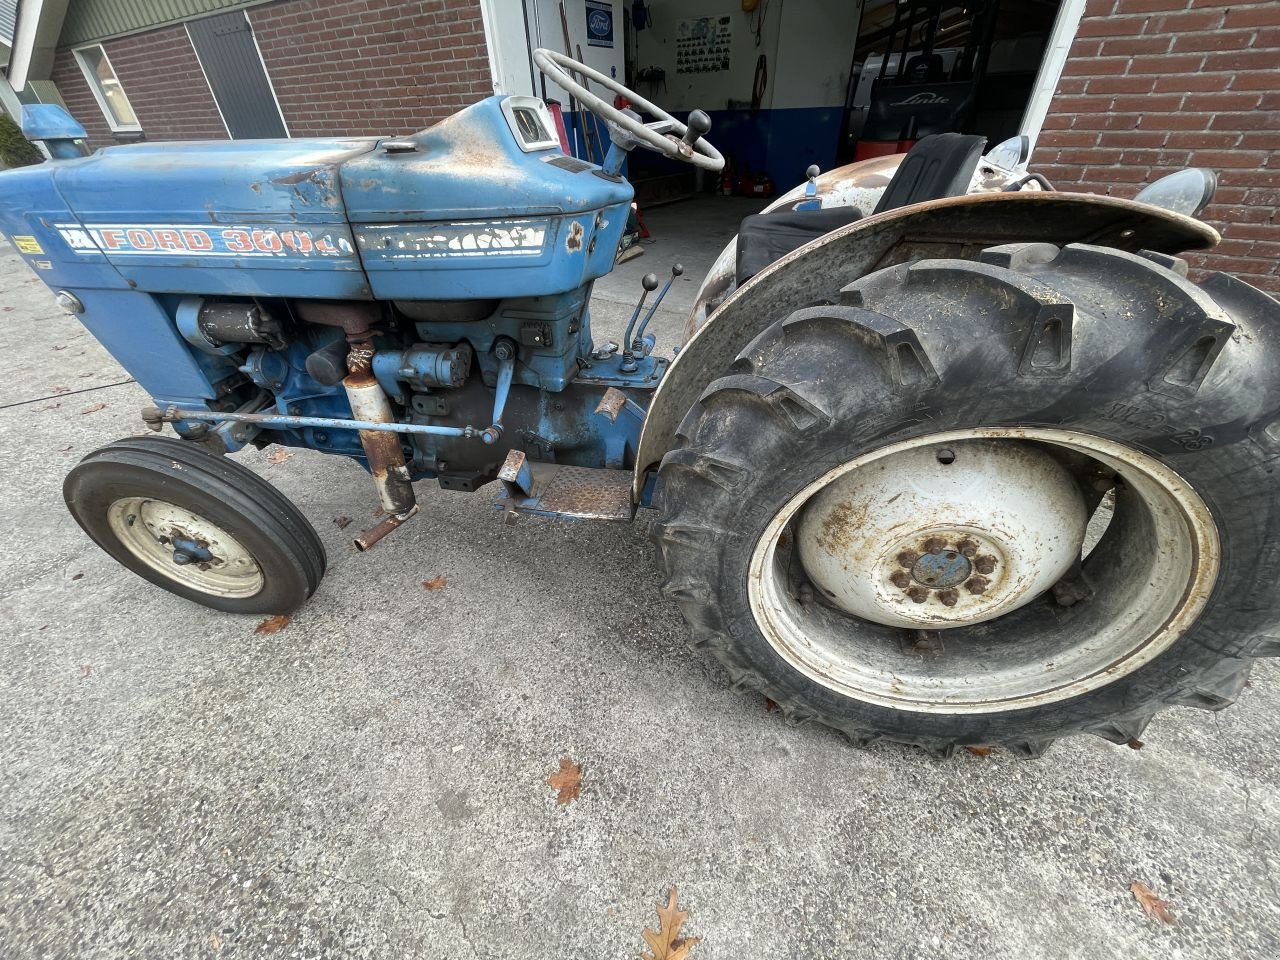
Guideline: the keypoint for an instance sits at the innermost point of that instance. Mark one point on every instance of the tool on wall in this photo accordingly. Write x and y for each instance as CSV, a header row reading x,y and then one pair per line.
x,y
585,122
594,147
759,83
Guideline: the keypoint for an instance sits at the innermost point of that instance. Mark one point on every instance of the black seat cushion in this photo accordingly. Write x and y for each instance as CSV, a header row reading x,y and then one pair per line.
x,y
766,237
937,166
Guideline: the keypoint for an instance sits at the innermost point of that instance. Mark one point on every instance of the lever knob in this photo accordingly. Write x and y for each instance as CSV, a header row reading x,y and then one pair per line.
x,y
699,126
649,282
677,269
812,172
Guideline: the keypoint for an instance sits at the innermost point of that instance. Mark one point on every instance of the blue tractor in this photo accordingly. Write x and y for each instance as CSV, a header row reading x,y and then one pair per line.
x,y
947,457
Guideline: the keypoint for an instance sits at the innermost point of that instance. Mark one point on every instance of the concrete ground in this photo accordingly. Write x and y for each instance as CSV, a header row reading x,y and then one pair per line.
x,y
372,780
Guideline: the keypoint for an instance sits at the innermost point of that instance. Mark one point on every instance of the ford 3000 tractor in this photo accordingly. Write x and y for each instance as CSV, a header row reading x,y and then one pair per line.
x,y
947,457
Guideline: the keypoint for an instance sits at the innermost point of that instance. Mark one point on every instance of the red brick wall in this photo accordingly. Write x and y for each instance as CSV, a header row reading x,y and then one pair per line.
x,y
1155,85
354,67
162,79
339,67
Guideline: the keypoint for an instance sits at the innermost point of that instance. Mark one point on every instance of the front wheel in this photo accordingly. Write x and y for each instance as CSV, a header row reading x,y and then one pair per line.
x,y
990,502
199,525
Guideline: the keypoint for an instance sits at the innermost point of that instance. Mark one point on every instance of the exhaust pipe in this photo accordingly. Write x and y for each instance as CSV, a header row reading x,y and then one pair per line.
x,y
381,449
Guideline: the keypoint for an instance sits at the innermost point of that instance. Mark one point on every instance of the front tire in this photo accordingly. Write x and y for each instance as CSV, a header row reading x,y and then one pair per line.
x,y
198,525
790,550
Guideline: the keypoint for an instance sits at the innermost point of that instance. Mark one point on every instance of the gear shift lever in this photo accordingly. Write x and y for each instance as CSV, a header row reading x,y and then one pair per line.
x,y
699,126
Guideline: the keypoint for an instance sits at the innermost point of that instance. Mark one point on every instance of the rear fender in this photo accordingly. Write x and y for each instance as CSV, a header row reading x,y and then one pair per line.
x,y
952,227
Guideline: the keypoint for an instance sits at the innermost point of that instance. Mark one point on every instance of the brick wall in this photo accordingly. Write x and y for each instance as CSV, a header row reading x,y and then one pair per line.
x,y
1155,85
356,67
162,79
339,67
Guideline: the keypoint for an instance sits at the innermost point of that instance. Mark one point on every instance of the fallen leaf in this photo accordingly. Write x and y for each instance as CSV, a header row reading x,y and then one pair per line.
x,y
979,751
567,781
1135,744
769,705
78,576
215,942
94,409
666,943
280,456
342,522
1151,905
273,624
435,583
85,670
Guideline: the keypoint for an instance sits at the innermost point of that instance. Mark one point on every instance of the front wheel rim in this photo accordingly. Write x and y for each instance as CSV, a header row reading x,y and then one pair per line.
x,y
1152,596
185,548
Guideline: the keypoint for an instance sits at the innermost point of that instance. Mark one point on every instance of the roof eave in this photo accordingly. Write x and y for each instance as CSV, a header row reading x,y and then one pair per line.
x,y
35,38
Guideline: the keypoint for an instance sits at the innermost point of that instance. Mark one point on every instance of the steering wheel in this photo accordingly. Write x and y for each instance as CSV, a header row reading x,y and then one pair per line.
x,y
687,143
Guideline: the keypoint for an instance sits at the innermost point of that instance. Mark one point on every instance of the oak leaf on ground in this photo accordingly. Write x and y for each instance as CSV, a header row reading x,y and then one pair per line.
x,y
1151,905
666,943
979,751
272,624
567,781
435,583
280,455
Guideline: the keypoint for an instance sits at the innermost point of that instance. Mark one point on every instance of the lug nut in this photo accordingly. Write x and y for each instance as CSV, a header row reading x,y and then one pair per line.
x,y
918,594
984,564
907,558
900,579
934,545
949,598
968,548
977,585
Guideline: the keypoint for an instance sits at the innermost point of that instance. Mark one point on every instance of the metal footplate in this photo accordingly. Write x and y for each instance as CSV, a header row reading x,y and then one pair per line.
x,y
555,490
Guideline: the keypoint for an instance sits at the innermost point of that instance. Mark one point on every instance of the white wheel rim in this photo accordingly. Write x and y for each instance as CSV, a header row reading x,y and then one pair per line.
x,y
1139,612
159,533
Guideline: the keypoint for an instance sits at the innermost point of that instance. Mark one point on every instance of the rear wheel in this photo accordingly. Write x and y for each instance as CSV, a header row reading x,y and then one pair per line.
x,y
199,525
989,502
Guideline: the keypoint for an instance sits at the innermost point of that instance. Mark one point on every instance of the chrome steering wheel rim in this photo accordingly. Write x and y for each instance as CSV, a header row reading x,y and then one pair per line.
x,y
557,68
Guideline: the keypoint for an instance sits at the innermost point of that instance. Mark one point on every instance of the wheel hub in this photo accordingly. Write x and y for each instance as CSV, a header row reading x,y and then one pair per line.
x,y
944,537
185,547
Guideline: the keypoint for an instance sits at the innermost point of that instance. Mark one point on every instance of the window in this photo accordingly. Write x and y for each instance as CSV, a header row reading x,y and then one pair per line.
x,y
106,88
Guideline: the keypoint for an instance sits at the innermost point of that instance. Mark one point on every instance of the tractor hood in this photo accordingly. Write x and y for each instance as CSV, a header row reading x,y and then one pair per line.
x,y
476,165
212,181
486,193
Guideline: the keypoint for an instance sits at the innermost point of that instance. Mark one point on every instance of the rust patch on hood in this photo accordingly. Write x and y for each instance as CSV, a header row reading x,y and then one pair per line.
x,y
573,242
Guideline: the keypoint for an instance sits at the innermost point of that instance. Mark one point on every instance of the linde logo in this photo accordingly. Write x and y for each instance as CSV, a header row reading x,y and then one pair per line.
x,y
170,239
919,98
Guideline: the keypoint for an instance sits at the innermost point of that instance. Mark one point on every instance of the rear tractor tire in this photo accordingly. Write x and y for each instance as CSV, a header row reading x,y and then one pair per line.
x,y
201,526
989,502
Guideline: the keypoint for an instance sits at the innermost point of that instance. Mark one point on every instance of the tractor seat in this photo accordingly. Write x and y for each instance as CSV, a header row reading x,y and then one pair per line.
x,y
766,237
938,166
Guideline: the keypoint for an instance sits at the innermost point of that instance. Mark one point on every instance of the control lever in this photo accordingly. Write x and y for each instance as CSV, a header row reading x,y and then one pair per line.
x,y
650,283
637,345
811,201
699,126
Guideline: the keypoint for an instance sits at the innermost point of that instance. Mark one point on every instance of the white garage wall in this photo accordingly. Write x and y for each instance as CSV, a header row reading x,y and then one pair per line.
x,y
509,43
656,47
815,51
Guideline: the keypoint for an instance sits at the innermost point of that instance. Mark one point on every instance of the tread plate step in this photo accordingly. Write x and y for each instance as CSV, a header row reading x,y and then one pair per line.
x,y
577,493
